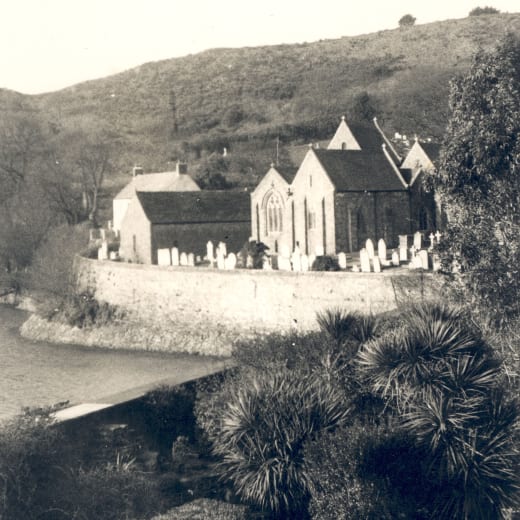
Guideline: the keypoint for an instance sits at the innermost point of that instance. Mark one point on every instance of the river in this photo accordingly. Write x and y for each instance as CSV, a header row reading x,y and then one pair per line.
x,y
40,374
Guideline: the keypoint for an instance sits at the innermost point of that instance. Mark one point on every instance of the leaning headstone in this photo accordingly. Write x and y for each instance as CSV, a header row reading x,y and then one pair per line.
x,y
191,260
184,259
304,263
163,257
417,240
395,259
342,260
423,255
175,256
376,264
369,246
319,251
365,261
403,254
381,250
231,261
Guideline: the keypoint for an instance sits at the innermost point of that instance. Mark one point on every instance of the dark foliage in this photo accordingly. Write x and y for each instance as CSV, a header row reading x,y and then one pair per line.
x,y
407,20
325,263
479,11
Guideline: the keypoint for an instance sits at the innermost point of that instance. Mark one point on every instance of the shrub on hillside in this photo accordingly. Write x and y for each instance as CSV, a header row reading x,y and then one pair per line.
x,y
407,20
479,11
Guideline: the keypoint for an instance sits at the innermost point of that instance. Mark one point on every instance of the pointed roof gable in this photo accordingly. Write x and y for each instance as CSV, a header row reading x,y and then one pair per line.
x,y
165,181
343,138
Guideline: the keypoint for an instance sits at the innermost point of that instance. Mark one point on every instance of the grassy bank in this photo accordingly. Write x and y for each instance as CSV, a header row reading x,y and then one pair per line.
x,y
211,340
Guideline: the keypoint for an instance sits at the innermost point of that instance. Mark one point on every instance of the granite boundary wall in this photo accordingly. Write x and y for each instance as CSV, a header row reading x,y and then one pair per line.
x,y
246,299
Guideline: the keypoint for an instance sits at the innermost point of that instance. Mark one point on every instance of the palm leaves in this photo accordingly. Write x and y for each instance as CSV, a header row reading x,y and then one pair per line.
x,y
262,433
444,382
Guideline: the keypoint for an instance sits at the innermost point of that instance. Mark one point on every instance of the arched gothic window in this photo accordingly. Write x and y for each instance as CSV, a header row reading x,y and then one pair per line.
x,y
274,213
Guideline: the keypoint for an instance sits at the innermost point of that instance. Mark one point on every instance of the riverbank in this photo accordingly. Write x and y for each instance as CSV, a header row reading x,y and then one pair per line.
x,y
172,337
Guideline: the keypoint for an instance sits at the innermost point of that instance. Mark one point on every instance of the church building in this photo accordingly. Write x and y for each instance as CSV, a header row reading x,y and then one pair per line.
x,y
357,188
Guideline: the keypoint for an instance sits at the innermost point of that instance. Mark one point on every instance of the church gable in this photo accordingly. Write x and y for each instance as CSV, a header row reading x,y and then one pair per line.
x,y
343,138
417,160
311,175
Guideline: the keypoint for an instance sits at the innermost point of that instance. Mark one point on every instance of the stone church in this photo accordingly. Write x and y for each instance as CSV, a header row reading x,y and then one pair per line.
x,y
359,187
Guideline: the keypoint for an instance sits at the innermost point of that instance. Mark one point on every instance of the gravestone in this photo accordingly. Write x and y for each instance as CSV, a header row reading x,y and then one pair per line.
x,y
249,262
184,259
222,248
381,250
365,261
403,241
369,246
319,251
305,263
416,263
355,268
403,254
191,260
417,240
163,257
114,255
210,252
198,259
175,257
296,261
436,262
412,252
438,235
231,261
284,264
376,264
395,259
103,251
432,241
423,255
342,260
221,261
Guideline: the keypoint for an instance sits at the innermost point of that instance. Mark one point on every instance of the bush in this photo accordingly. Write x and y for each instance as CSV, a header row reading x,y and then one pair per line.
x,y
407,20
358,472
261,433
255,250
479,11
325,263
82,310
447,388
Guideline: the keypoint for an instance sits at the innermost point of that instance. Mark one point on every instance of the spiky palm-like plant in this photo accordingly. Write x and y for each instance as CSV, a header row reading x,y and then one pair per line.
x,y
262,434
445,384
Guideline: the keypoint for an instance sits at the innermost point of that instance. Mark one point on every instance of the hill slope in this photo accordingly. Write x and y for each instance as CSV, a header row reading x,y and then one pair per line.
x,y
296,92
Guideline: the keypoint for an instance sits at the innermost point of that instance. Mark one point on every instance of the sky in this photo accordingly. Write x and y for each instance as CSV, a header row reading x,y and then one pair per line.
x,y
47,45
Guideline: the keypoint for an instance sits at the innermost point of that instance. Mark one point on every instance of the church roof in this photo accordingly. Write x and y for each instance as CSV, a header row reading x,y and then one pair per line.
x,y
165,181
367,169
432,150
195,207
287,173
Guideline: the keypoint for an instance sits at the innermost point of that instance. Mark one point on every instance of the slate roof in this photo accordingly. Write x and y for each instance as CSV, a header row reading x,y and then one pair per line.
x,y
287,173
195,206
367,169
432,150
165,181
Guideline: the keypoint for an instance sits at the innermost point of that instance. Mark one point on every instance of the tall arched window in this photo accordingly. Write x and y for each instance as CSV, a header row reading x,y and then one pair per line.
x,y
274,213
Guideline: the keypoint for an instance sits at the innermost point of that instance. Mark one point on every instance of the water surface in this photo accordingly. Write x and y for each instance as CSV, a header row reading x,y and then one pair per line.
x,y
40,374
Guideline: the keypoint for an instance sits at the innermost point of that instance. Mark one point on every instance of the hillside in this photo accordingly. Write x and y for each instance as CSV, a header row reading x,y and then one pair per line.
x,y
297,92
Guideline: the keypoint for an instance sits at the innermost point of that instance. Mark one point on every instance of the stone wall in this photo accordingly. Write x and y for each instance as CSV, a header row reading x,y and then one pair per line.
x,y
245,299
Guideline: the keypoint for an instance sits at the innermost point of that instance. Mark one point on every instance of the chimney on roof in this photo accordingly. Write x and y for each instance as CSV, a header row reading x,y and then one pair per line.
x,y
181,168
137,170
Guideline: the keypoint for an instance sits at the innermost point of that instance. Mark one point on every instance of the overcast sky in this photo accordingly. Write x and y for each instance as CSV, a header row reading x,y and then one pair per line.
x,y
50,44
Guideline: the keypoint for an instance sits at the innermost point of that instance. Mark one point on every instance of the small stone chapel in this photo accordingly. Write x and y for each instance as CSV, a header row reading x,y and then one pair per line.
x,y
359,187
